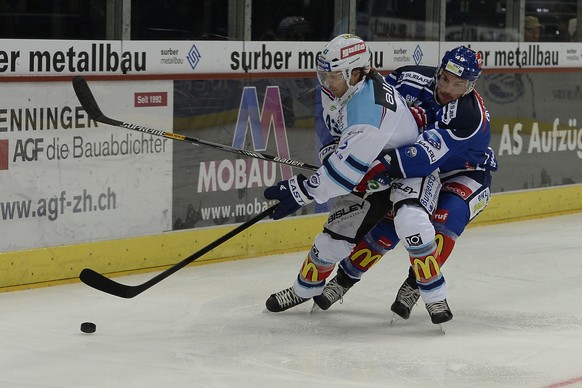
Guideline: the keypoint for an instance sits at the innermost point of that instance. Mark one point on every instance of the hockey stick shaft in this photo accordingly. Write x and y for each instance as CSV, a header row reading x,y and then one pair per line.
x,y
109,286
90,105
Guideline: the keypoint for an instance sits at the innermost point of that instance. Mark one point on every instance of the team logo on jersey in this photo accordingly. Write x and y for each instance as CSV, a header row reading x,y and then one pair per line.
x,y
411,152
314,180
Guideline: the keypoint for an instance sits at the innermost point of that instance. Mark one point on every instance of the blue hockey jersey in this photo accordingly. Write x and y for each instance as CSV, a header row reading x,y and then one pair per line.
x,y
457,137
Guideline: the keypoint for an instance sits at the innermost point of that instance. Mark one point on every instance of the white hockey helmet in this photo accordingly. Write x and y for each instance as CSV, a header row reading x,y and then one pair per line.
x,y
343,53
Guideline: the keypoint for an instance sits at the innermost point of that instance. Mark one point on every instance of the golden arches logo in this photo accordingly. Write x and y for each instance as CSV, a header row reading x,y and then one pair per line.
x,y
364,258
424,264
308,267
440,242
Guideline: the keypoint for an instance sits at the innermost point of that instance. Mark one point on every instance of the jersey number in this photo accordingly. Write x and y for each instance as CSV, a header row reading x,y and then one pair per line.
x,y
332,125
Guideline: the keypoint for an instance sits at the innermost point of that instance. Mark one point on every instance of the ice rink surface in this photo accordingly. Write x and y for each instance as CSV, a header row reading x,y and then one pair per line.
x,y
515,290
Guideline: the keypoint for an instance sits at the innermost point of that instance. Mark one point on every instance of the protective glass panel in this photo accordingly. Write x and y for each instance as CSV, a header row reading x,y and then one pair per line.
x,y
40,19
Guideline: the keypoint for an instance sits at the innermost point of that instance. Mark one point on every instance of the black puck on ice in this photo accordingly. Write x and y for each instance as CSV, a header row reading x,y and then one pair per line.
x,y
88,327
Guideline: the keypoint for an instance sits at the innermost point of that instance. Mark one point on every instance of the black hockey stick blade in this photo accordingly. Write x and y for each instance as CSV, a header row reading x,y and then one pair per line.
x,y
100,282
89,103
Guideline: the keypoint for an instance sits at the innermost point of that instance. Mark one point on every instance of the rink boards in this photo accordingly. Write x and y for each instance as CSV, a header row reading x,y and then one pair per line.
x,y
55,265
77,193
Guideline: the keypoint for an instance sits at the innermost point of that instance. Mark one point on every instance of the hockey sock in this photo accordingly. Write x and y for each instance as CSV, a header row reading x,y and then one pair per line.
x,y
311,278
425,263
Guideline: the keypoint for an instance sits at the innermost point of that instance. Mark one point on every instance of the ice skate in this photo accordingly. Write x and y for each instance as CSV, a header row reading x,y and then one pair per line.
x,y
439,313
406,298
284,300
334,290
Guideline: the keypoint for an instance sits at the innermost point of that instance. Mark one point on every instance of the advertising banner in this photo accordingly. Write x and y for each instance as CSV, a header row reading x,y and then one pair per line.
x,y
61,57
67,179
536,128
535,134
275,116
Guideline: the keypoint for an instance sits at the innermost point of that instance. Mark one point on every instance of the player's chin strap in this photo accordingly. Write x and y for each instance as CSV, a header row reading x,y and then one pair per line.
x,y
470,87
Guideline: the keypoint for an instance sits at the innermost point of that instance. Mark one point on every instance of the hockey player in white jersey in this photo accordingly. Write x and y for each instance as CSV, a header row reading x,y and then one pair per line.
x,y
368,117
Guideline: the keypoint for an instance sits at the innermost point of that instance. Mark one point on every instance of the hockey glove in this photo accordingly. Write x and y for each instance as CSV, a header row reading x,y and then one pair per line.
x,y
377,176
291,194
419,115
326,151
490,162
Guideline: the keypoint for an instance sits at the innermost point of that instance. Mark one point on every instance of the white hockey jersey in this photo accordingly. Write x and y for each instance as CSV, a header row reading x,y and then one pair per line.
x,y
374,119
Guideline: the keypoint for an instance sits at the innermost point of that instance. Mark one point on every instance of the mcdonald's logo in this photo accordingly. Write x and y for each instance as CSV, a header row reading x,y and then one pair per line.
x,y
309,271
440,242
364,259
429,267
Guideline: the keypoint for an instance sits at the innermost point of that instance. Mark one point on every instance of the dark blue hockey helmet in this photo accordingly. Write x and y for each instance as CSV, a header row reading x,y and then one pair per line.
x,y
464,63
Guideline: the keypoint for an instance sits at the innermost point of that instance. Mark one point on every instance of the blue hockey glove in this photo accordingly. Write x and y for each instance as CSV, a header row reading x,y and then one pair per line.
x,y
291,194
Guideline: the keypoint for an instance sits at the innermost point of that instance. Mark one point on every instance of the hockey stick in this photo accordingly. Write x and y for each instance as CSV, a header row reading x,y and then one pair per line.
x,y
102,283
90,105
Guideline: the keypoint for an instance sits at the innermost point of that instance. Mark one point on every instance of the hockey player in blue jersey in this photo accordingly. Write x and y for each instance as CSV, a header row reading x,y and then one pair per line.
x,y
368,117
456,141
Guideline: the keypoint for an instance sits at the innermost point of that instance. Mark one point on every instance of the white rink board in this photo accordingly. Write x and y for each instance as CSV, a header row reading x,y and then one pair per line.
x,y
70,179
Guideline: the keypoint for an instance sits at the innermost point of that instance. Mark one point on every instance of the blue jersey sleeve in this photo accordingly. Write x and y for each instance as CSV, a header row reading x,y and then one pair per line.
x,y
457,140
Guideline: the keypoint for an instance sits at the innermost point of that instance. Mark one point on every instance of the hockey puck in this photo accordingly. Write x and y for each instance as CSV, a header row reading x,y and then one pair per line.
x,y
88,327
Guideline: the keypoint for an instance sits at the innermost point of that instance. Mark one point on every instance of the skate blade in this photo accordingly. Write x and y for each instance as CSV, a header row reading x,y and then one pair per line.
x,y
395,318
443,328
315,308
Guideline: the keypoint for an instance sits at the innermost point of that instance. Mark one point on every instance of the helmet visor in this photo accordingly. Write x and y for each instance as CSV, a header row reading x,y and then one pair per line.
x,y
331,79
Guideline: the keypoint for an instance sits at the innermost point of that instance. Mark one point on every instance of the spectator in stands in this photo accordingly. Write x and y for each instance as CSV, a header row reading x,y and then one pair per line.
x,y
573,30
532,29
294,28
